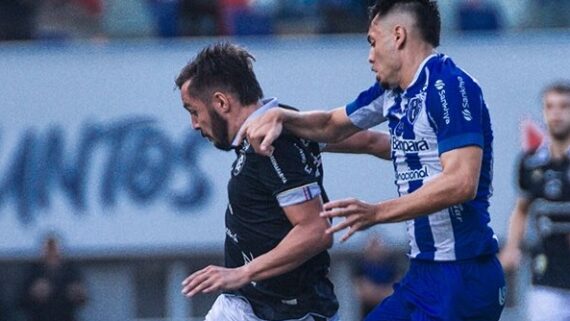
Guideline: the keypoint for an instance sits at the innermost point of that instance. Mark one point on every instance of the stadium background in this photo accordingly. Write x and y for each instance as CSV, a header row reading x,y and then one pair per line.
x,y
96,147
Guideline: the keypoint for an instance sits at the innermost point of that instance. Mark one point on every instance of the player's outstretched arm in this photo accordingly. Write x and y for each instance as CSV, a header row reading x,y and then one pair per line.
x,y
305,240
456,184
371,142
321,126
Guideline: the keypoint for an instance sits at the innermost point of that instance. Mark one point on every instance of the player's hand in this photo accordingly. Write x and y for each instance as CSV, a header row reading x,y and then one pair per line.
x,y
510,257
358,215
214,278
263,131
41,290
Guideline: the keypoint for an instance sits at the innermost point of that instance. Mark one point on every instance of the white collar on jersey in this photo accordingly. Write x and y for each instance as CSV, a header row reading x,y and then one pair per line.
x,y
267,104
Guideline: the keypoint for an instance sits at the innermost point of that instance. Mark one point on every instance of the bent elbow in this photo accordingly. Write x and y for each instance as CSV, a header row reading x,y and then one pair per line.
x,y
323,241
467,191
327,241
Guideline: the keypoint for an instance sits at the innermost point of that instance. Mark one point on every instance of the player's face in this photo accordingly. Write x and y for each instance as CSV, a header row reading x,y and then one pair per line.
x,y
557,114
383,55
205,119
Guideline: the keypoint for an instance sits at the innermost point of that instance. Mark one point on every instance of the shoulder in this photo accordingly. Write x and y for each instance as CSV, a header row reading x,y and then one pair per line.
x,y
447,77
287,141
534,159
366,98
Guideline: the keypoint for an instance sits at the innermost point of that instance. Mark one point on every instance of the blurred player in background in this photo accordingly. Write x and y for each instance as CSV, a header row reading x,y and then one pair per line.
x,y
276,260
53,290
441,147
375,272
544,173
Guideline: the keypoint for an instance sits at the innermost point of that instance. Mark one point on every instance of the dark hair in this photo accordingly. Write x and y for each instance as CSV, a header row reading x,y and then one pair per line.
x,y
426,13
560,87
222,66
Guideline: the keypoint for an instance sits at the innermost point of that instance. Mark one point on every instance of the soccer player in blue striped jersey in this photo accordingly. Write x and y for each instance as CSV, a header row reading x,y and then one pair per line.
x,y
441,148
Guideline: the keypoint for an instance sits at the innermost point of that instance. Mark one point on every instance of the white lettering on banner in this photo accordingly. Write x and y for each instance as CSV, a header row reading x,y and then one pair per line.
x,y
141,161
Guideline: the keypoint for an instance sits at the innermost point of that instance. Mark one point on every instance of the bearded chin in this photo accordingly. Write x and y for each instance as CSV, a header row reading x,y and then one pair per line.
x,y
560,136
226,147
383,84
220,132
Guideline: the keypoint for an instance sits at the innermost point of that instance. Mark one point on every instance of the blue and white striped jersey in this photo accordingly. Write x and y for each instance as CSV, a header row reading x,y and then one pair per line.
x,y
442,109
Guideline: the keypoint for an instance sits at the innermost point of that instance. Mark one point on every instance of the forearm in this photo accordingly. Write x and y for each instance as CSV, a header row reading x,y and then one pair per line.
x,y
364,142
442,192
300,244
318,126
517,227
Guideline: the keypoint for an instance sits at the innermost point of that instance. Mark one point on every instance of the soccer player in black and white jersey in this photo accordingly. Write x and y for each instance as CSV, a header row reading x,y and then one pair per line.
x,y
276,259
544,173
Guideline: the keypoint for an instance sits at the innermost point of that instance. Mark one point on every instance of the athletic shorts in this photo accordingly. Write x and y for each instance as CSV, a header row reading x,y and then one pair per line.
x,y
470,290
234,308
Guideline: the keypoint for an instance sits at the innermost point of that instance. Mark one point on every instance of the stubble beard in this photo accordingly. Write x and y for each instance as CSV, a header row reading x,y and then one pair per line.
x,y
561,135
220,132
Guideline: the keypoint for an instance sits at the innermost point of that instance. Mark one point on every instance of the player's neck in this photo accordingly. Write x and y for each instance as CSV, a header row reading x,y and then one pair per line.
x,y
412,61
559,148
239,118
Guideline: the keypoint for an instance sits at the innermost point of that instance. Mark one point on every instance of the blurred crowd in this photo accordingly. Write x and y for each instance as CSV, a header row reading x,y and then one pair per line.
x,y
104,19
100,19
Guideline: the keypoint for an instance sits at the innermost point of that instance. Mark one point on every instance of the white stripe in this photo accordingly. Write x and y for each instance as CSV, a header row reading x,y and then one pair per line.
x,y
440,222
443,238
298,195
414,249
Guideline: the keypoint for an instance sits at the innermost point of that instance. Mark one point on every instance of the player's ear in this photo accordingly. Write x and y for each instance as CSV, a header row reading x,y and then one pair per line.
x,y
221,102
400,36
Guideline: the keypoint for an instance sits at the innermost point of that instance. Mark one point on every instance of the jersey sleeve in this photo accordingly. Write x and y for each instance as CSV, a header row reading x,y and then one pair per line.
x,y
367,110
455,109
292,172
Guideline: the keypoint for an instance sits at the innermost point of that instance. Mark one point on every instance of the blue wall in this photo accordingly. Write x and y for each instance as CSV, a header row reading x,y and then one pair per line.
x,y
68,88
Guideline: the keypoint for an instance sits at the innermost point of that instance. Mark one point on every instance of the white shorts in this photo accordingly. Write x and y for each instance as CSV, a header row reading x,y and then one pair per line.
x,y
546,303
233,308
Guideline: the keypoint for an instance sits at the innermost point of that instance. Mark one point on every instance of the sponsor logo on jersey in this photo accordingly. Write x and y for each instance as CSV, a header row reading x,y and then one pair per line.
x,y
457,212
278,170
409,145
464,100
231,235
413,175
440,86
502,295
